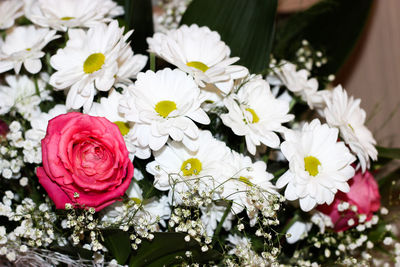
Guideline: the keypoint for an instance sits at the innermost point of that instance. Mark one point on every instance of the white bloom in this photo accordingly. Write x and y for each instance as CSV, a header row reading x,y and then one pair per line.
x,y
298,83
23,45
298,231
211,215
21,94
64,14
129,65
39,123
319,166
178,170
243,176
322,221
9,11
108,108
346,114
199,52
33,152
256,114
90,61
164,104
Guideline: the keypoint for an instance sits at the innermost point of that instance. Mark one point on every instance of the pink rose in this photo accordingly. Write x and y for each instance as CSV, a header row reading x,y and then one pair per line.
x,y
85,161
364,194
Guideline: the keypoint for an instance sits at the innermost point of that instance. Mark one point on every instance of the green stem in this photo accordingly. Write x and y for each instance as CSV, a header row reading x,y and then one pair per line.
x,y
152,62
295,218
219,226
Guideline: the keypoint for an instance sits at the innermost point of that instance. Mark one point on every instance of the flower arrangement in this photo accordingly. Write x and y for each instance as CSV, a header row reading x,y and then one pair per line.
x,y
187,146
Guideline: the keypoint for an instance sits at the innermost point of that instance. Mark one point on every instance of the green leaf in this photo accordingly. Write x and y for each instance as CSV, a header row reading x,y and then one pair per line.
x,y
164,249
118,243
246,26
388,153
377,233
387,180
332,26
139,17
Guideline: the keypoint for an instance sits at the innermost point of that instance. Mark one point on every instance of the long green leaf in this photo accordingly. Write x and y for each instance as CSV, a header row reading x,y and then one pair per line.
x,y
246,26
333,26
118,243
164,249
139,16
388,153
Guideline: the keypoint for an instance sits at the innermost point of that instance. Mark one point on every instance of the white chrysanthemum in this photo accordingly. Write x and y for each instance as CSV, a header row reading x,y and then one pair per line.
x,y
211,215
319,166
92,60
64,14
298,83
9,11
199,52
298,231
346,114
32,147
152,211
108,108
20,93
244,175
39,123
23,45
164,104
256,114
178,170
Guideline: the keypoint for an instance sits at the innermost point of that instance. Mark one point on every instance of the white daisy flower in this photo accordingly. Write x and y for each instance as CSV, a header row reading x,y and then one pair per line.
x,y
129,65
64,14
20,93
211,215
178,170
9,11
319,166
89,62
298,231
244,175
32,148
23,45
108,108
346,114
298,83
256,114
164,104
199,52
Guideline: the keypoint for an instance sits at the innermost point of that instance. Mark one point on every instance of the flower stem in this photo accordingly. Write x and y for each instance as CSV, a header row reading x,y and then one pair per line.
x,y
152,62
219,226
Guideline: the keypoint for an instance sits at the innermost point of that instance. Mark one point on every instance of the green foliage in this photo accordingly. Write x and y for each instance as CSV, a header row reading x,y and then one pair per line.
x,y
139,16
388,153
167,248
247,27
332,26
118,243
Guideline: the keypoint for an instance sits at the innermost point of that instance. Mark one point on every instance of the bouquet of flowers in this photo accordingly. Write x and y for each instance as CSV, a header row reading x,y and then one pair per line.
x,y
187,133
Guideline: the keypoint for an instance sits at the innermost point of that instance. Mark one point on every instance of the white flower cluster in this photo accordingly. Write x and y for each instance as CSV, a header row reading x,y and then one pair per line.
x,y
172,118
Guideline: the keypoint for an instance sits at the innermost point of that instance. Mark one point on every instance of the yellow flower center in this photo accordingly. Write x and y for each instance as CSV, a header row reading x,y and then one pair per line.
x,y
67,18
136,200
93,63
164,108
191,166
311,165
245,180
198,65
351,127
254,115
123,127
